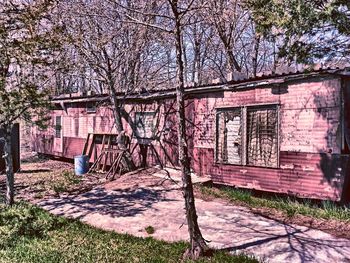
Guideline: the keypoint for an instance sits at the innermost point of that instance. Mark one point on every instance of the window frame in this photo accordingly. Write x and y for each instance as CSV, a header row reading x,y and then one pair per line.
x,y
244,125
149,113
218,112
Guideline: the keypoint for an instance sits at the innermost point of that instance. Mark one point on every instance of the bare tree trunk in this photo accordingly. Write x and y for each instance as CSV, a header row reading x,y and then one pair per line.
x,y
198,244
255,55
196,66
117,114
117,108
234,66
232,61
184,59
10,189
120,129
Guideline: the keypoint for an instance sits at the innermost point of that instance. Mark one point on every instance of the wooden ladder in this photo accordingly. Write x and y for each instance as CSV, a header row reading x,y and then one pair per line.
x,y
89,147
110,154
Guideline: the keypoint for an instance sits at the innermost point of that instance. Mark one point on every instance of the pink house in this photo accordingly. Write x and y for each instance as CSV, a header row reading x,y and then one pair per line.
x,y
286,133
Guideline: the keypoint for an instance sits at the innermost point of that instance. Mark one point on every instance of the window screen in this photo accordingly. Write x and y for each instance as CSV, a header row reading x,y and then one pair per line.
x,y
262,136
247,136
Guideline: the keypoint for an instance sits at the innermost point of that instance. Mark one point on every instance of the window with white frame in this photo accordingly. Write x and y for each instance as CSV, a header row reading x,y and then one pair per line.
x,y
247,136
229,136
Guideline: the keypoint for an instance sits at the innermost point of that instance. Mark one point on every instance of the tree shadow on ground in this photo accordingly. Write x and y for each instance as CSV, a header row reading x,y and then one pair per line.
x,y
288,243
33,171
116,203
18,187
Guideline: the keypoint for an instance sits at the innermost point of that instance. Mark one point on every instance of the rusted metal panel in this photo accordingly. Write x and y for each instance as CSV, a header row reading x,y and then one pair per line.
x,y
15,136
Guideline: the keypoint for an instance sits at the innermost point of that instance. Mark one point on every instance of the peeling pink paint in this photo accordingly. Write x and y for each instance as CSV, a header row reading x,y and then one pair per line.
x,y
311,159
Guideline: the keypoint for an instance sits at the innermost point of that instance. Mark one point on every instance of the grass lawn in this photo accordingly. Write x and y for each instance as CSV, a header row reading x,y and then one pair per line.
x,y
30,234
289,206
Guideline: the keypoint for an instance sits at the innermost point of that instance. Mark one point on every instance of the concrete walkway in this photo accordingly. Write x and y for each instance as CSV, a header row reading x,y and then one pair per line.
x,y
128,205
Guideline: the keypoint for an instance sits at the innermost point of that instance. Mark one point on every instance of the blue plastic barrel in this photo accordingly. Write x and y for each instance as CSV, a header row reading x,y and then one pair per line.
x,y
81,164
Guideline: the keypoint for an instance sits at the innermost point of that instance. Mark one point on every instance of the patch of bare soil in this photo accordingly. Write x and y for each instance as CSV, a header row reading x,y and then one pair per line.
x,y
141,178
40,178
334,227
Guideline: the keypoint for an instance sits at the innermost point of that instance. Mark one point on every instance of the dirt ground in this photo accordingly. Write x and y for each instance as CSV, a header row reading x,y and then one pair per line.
x,y
41,178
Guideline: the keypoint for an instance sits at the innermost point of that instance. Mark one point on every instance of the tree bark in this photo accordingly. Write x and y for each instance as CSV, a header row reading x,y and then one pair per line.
x,y
10,188
196,66
233,64
232,61
256,54
127,160
198,244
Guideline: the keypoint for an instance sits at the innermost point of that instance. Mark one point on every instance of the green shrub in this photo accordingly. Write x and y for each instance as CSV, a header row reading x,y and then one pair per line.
x,y
59,187
70,177
63,183
150,230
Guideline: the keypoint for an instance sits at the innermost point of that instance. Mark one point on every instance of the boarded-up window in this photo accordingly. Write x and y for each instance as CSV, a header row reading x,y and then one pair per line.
x,y
262,136
144,124
58,126
247,136
229,140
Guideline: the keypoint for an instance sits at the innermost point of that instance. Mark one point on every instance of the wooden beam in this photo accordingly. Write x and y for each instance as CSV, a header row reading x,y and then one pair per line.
x,y
86,144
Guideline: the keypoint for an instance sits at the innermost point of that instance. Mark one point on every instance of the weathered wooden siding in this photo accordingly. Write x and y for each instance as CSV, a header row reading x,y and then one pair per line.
x,y
309,114
15,150
76,124
318,176
311,160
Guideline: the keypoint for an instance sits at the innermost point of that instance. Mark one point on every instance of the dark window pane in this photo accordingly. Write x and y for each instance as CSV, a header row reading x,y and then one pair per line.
x,y
91,107
58,127
76,127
